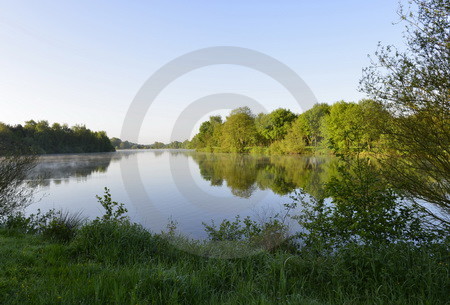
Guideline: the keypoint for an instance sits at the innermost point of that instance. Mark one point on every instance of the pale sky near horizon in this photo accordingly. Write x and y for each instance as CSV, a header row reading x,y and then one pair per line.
x,y
82,62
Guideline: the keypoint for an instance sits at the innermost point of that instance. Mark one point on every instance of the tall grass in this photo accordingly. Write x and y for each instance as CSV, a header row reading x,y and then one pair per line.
x,y
121,263
57,225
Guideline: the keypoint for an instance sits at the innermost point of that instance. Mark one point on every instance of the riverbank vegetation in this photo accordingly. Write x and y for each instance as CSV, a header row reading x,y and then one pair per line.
x,y
119,144
41,138
323,128
124,264
363,248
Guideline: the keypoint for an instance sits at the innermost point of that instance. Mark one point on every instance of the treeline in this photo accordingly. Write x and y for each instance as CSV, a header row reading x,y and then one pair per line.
x,y
342,127
119,144
41,138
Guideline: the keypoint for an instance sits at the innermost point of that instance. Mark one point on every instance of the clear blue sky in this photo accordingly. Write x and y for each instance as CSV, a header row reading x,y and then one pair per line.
x,y
83,61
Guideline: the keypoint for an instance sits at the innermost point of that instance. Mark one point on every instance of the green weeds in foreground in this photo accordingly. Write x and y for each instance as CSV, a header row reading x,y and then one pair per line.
x,y
121,263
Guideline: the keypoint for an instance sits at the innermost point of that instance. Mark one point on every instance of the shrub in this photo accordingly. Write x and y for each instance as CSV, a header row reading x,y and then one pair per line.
x,y
15,165
114,211
56,225
63,226
362,210
268,235
117,242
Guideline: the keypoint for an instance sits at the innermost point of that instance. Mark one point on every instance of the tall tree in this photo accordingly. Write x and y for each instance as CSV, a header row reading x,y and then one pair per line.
x,y
209,133
354,127
275,125
312,121
295,140
343,127
239,130
414,86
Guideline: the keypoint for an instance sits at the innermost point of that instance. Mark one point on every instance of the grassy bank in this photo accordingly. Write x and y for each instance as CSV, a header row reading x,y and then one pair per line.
x,y
121,263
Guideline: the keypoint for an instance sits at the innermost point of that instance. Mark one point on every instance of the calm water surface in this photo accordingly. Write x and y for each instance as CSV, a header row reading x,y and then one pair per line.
x,y
185,186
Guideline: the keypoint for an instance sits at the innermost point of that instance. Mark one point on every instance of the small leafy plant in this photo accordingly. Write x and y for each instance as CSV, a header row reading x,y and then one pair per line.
x,y
114,211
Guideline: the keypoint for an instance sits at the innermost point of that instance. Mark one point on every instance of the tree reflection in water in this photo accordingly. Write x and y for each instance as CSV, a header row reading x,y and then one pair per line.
x,y
59,168
244,174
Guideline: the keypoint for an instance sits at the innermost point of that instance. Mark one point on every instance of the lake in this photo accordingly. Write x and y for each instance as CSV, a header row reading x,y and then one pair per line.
x,y
184,186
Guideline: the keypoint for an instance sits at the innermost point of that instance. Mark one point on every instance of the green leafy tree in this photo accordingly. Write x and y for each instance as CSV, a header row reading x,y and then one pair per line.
x,y
239,130
375,120
42,138
115,142
209,133
413,85
343,127
158,145
275,125
363,210
294,141
312,121
351,127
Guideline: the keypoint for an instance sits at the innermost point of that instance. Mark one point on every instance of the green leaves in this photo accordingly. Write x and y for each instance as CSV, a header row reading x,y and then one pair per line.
x,y
42,138
267,235
275,125
361,209
344,127
414,86
238,131
114,211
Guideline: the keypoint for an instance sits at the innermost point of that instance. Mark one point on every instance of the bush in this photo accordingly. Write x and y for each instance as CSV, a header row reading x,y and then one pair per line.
x,y
362,210
55,225
117,242
269,235
400,273
63,226
14,169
